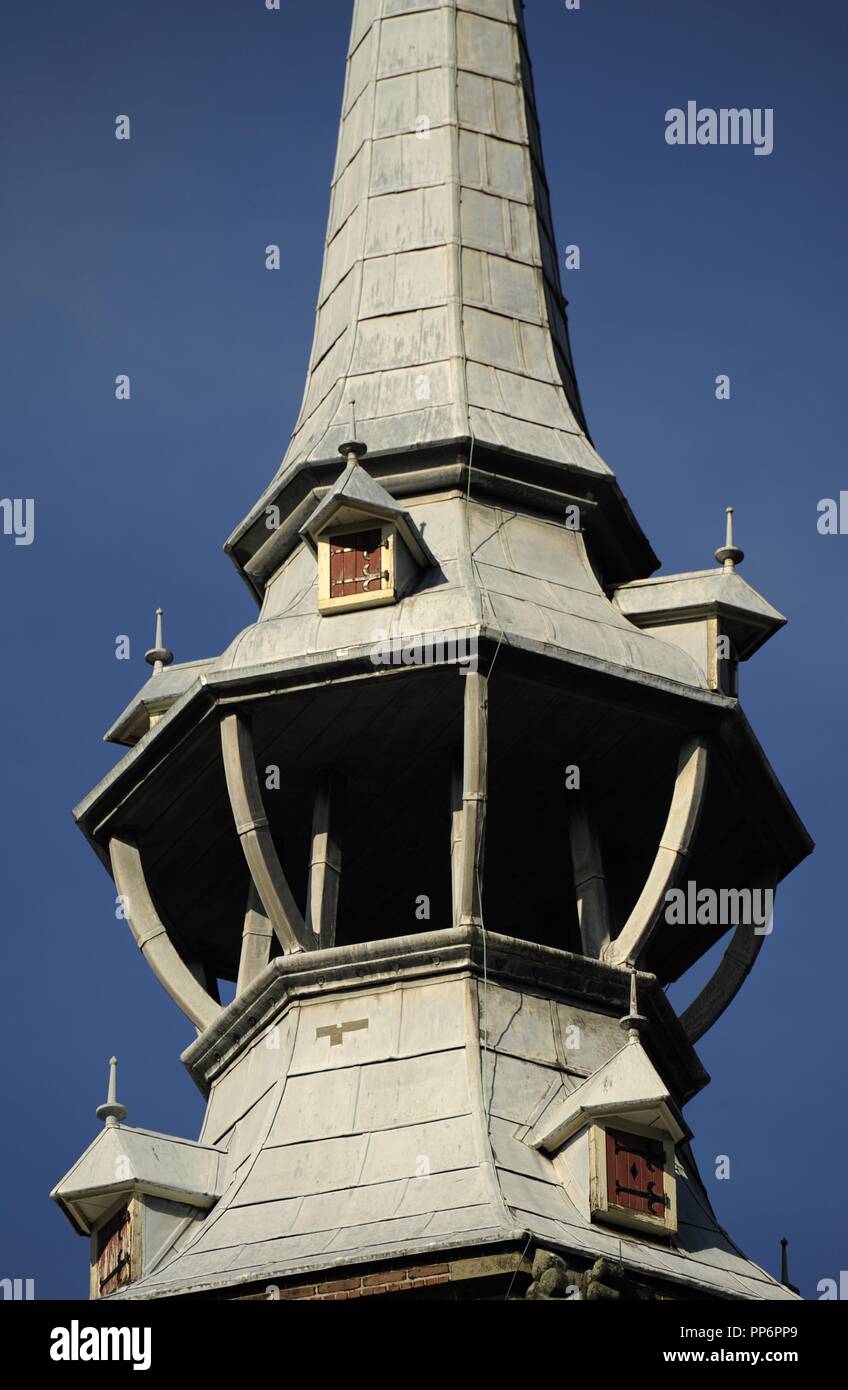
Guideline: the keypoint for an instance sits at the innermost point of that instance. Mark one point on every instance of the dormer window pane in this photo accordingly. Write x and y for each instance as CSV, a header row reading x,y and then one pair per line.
x,y
636,1173
356,563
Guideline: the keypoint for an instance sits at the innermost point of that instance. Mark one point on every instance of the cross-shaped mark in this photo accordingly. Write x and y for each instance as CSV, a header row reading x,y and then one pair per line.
x,y
336,1031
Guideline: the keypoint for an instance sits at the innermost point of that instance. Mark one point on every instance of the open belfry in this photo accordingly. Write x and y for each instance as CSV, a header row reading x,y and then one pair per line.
x,y
428,813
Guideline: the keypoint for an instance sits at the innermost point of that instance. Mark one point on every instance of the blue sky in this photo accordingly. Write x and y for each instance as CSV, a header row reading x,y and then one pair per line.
x,y
147,257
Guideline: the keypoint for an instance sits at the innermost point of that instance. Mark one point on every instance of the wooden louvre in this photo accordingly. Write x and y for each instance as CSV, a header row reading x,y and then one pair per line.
x,y
356,563
114,1258
636,1173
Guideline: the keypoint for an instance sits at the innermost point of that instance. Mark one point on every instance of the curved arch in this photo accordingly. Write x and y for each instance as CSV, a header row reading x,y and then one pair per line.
x,y
152,937
724,985
260,852
675,844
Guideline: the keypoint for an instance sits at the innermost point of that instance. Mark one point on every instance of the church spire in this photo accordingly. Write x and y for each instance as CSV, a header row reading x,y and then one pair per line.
x,y
440,299
283,801
441,309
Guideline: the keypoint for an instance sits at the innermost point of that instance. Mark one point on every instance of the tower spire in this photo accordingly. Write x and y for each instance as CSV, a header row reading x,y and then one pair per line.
x,y
440,325
159,656
112,1113
729,554
441,309
424,293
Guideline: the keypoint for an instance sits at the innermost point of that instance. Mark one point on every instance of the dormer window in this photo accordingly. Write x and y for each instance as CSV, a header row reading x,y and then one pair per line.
x,y
632,1181
369,549
356,567
612,1141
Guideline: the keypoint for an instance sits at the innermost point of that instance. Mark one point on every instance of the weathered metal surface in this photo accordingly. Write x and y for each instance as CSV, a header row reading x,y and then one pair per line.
x,y
669,597
123,1158
389,1142
524,576
257,936
440,310
384,1098
527,579
626,1083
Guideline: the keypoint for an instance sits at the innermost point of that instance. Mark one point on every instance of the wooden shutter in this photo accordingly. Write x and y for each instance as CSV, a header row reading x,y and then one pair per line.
x,y
114,1253
356,563
636,1173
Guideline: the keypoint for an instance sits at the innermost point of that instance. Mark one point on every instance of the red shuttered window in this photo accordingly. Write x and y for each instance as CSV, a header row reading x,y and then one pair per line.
x,y
636,1174
356,563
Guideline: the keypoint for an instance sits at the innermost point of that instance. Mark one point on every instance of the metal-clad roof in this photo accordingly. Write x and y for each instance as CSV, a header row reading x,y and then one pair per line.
x,y
440,310
402,1137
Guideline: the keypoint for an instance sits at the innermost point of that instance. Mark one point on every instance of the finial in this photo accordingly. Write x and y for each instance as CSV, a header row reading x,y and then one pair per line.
x,y
355,449
729,554
112,1112
634,1022
159,657
784,1265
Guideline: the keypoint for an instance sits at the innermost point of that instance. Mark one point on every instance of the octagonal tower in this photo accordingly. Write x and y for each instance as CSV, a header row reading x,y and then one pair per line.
x,y
470,792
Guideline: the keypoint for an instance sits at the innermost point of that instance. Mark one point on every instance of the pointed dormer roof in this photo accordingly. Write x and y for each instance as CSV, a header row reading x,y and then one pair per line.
x,y
122,1161
357,496
626,1086
441,311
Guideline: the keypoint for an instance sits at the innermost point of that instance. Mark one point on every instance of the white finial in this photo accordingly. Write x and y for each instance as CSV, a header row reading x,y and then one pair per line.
x,y
729,554
633,1023
354,450
159,657
112,1112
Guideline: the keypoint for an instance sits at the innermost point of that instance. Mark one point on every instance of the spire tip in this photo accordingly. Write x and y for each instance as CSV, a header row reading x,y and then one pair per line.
x,y
112,1113
633,1022
729,555
354,450
159,656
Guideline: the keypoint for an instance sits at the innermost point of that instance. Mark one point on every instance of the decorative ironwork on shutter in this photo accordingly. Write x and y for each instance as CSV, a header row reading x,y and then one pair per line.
x,y
636,1173
114,1257
356,563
